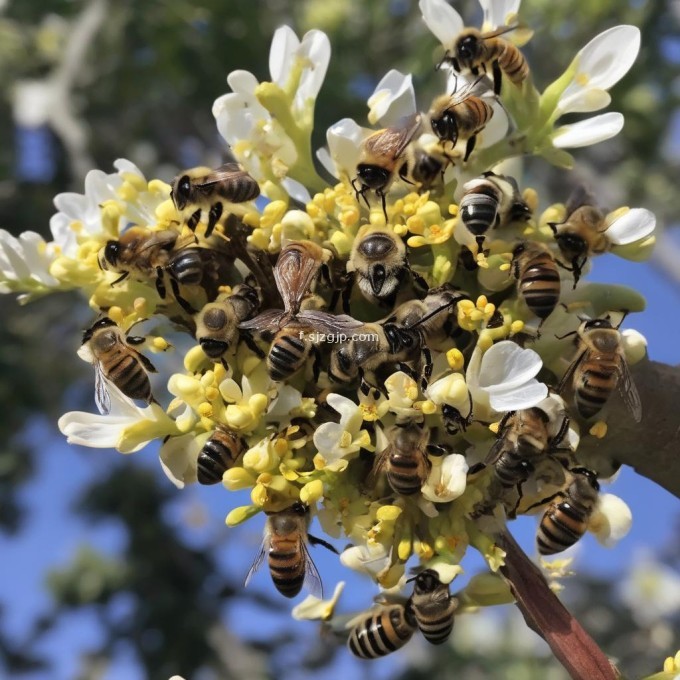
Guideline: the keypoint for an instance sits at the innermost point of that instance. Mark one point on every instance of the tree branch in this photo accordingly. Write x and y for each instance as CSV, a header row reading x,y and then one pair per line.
x,y
652,447
549,618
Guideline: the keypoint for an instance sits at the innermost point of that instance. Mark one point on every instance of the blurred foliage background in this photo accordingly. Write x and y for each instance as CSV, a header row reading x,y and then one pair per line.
x,y
137,80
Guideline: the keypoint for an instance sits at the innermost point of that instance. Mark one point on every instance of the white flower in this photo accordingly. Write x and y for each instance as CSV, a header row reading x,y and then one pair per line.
x,y
447,479
344,147
251,125
25,263
315,609
336,441
498,13
392,100
503,377
634,345
127,427
599,66
402,392
367,559
589,131
444,22
611,519
178,457
450,390
630,226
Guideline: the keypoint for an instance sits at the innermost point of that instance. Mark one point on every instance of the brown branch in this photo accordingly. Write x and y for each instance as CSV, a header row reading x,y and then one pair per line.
x,y
547,616
652,447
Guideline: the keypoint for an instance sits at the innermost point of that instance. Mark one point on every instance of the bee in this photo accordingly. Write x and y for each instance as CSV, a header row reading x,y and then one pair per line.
x,y
206,189
436,315
405,460
538,279
461,115
489,202
524,438
293,326
382,631
566,518
474,51
385,156
219,454
285,545
433,607
599,368
217,322
156,253
115,359
379,264
427,165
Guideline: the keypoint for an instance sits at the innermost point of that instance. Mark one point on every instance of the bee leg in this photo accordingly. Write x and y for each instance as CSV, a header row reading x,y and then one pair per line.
x,y
427,370
513,513
381,193
193,221
438,449
497,77
347,293
469,147
160,285
252,346
561,434
122,277
316,364
315,540
135,340
184,304
213,218
419,280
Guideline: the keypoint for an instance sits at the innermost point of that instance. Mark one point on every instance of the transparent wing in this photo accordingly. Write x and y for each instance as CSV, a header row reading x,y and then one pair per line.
x,y
329,323
269,320
102,398
378,466
391,142
295,270
226,171
579,197
628,390
570,372
494,452
312,579
259,558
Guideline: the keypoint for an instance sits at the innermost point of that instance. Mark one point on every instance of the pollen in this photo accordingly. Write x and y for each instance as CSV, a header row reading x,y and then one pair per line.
x,y
455,359
494,427
582,79
369,412
599,429
205,410
516,326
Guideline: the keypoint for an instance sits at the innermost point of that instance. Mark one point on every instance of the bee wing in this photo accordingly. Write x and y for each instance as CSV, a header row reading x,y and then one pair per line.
x,y
522,34
102,398
269,320
312,579
259,558
392,141
226,171
378,466
570,372
294,273
628,390
494,452
579,197
329,323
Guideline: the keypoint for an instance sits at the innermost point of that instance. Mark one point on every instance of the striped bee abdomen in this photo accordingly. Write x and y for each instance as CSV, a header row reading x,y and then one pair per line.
x,y
382,632
219,454
287,566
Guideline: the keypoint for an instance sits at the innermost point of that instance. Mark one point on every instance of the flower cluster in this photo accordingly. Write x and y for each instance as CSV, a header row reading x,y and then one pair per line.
x,y
452,398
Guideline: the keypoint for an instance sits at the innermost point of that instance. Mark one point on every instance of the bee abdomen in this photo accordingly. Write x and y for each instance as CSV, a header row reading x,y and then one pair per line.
x,y
540,287
187,267
436,630
286,356
218,455
405,474
381,633
130,377
561,527
512,63
287,570
240,190
479,212
594,388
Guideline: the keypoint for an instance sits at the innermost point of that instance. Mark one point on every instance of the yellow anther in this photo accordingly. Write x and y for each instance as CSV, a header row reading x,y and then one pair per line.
x,y
205,410
369,412
311,492
599,429
388,513
116,314
516,326
482,302
280,447
161,344
427,407
404,549
582,79
455,359
494,427
345,439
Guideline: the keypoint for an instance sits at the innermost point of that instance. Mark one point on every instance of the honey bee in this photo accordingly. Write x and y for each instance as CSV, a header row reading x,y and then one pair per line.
x,y
114,359
293,326
566,518
474,51
599,368
285,545
538,279
206,189
461,115
405,460
525,437
385,156
382,632
219,454
217,322
489,202
154,254
433,607
427,165
379,264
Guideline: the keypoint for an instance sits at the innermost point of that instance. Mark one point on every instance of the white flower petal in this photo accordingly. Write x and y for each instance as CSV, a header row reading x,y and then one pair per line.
x,y
242,82
506,365
282,54
366,559
444,22
178,457
611,520
392,100
589,131
92,429
316,51
636,224
585,101
296,190
326,438
344,144
526,396
447,479
497,12
324,157
314,609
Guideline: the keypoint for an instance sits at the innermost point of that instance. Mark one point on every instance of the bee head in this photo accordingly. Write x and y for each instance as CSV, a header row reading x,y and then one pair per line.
x,y
467,47
181,192
104,322
109,255
427,581
445,127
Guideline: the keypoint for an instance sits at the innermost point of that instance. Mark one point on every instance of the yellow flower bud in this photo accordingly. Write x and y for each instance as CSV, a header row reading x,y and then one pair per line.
x,y
311,492
388,513
194,359
455,359
237,478
241,514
